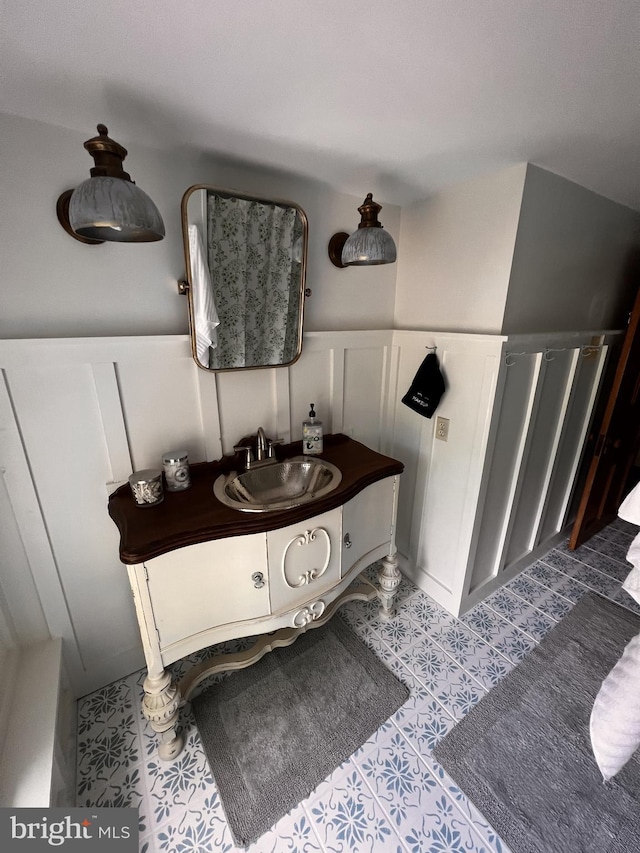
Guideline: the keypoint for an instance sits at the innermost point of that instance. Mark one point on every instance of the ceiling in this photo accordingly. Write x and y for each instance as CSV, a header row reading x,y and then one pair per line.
x,y
400,98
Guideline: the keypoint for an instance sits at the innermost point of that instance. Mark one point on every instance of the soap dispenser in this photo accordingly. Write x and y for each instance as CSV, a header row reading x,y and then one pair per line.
x,y
312,434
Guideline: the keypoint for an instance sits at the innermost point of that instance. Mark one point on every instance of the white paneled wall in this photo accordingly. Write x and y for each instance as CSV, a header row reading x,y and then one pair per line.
x,y
476,509
440,488
547,390
78,415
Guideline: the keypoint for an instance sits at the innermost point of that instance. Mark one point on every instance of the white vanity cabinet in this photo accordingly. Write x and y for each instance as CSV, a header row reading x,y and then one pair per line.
x,y
368,524
271,582
304,561
194,589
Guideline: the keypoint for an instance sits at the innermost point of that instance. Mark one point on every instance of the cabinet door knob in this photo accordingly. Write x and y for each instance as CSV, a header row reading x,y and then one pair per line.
x,y
258,580
347,541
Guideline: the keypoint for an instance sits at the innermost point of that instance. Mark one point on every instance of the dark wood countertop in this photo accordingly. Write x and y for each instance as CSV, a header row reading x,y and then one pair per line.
x,y
196,515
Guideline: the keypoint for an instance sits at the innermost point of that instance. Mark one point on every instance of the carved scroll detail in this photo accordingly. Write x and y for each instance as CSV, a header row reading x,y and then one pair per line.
x,y
308,575
309,614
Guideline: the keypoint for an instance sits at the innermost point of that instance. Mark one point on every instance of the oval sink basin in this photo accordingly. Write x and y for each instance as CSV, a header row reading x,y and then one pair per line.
x,y
278,485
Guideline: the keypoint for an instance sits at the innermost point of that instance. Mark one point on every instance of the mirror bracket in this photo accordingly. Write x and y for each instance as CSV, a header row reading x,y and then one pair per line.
x,y
183,287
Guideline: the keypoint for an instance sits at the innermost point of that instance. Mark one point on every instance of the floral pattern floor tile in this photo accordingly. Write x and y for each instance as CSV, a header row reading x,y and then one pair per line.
x,y
611,549
390,796
498,632
408,794
622,597
549,602
563,585
348,817
620,532
596,580
473,654
470,813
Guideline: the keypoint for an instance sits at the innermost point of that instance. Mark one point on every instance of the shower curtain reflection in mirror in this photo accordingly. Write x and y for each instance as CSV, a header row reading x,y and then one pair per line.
x,y
254,251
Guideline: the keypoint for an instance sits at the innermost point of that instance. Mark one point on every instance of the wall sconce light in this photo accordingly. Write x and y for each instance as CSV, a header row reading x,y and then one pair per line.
x,y
369,245
108,205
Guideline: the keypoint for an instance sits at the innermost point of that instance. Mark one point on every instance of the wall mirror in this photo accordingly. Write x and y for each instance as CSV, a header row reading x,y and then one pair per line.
x,y
245,260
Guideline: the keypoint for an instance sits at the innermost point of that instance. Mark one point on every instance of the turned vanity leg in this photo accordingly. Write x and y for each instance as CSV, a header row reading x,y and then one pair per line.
x,y
160,706
389,579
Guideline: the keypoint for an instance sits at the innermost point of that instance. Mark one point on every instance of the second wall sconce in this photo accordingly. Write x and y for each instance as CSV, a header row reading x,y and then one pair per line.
x,y
367,246
108,206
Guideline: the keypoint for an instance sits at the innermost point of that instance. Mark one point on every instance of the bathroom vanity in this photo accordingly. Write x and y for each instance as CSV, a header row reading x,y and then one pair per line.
x,y
202,572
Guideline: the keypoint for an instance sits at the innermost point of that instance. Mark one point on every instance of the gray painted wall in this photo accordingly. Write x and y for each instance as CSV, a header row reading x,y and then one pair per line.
x,y
518,251
54,286
575,263
456,253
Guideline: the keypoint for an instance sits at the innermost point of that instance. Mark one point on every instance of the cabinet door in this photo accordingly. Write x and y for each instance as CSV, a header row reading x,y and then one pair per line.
x,y
367,522
304,559
206,585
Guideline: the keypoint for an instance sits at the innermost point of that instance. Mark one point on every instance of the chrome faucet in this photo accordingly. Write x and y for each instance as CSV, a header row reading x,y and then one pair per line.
x,y
261,445
264,449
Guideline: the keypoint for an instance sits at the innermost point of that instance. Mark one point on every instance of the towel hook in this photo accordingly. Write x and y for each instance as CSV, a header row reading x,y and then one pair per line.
x,y
589,349
509,358
547,350
433,349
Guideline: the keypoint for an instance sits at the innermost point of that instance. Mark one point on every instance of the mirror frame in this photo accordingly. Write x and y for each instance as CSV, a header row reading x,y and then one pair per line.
x,y
185,287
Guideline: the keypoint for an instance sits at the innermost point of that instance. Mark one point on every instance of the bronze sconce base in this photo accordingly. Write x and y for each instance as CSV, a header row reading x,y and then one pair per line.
x,y
336,244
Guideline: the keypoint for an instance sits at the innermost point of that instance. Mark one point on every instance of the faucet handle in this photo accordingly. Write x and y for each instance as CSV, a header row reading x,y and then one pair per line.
x,y
271,442
248,450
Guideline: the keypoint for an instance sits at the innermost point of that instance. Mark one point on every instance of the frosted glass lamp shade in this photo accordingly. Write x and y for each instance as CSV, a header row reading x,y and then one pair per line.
x,y
368,246
109,206
116,210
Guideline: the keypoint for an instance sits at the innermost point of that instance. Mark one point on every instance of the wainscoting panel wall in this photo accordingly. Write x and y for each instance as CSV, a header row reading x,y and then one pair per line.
x,y
547,390
439,490
78,415
476,509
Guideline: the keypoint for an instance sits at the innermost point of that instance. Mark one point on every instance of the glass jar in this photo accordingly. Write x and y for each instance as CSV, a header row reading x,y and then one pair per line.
x,y
176,470
146,487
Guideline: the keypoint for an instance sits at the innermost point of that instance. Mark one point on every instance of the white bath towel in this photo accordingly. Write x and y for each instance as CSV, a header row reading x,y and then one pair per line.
x,y
630,506
632,582
630,511
204,307
615,716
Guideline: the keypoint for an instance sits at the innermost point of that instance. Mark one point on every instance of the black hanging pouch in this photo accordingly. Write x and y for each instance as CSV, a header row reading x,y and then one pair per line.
x,y
427,387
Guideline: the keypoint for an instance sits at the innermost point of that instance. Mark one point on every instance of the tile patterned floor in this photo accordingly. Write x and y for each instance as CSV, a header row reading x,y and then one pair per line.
x,y
390,796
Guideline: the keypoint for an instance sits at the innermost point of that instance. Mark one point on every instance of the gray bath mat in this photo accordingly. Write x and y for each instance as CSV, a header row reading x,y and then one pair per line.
x,y
274,731
523,754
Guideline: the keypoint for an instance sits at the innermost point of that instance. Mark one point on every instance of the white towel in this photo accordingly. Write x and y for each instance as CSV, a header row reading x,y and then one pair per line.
x,y
630,511
615,717
204,307
632,583
630,506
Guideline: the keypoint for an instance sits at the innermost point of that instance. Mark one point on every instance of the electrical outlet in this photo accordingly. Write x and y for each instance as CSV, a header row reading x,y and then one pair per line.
x,y
442,429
